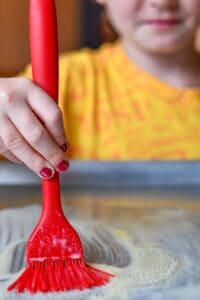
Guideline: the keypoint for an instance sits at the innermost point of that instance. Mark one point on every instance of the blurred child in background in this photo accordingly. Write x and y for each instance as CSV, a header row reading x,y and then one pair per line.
x,y
135,98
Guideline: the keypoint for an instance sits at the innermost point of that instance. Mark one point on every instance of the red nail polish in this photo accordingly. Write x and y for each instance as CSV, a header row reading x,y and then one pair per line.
x,y
63,166
64,147
46,172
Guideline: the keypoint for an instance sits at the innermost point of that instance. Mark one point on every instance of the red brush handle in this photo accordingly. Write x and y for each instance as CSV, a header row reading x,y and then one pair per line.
x,y
44,58
44,45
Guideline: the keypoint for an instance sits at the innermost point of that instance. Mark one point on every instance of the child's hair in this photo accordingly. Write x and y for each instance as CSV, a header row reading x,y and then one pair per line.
x,y
108,34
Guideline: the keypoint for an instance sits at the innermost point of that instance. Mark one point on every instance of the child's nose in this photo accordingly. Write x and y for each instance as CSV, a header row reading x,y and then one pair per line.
x,y
164,4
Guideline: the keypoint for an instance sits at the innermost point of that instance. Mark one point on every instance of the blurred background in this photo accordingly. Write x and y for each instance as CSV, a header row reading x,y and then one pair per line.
x,y
78,23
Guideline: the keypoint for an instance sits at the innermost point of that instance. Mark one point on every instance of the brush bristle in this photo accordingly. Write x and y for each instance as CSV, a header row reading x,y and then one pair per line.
x,y
59,276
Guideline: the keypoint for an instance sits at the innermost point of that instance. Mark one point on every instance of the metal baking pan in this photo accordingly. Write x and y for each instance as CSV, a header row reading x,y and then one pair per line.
x,y
123,174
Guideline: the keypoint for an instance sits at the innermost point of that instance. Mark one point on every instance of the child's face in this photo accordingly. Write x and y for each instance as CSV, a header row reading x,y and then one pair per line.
x,y
159,26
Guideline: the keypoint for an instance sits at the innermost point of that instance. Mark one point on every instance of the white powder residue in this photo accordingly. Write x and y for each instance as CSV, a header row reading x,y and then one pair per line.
x,y
151,265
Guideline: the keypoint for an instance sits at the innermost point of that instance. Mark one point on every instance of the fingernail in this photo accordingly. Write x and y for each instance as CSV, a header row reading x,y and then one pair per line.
x,y
63,166
64,147
46,172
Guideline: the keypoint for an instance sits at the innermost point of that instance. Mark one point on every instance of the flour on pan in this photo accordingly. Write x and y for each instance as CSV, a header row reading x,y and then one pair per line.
x,y
134,265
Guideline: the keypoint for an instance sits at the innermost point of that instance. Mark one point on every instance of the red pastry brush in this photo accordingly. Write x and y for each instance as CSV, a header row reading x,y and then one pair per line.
x,y
54,251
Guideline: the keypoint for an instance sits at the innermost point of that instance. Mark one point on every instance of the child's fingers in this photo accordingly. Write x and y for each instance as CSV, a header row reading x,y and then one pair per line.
x,y
7,154
15,143
48,112
35,134
11,157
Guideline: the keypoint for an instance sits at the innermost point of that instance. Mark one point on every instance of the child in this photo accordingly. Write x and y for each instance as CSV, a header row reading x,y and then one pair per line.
x,y
136,98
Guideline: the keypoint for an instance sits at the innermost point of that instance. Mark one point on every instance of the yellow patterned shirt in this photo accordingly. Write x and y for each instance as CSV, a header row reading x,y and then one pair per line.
x,y
115,111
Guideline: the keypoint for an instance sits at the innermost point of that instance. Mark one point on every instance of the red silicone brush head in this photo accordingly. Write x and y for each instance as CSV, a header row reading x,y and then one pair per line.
x,y
55,260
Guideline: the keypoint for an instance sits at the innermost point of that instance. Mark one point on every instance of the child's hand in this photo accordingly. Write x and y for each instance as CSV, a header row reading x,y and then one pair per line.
x,y
23,138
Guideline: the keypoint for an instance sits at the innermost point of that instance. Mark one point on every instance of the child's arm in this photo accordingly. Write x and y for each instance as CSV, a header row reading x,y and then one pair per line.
x,y
24,108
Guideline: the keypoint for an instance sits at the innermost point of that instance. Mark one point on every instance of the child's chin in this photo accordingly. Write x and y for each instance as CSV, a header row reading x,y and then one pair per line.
x,y
161,47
